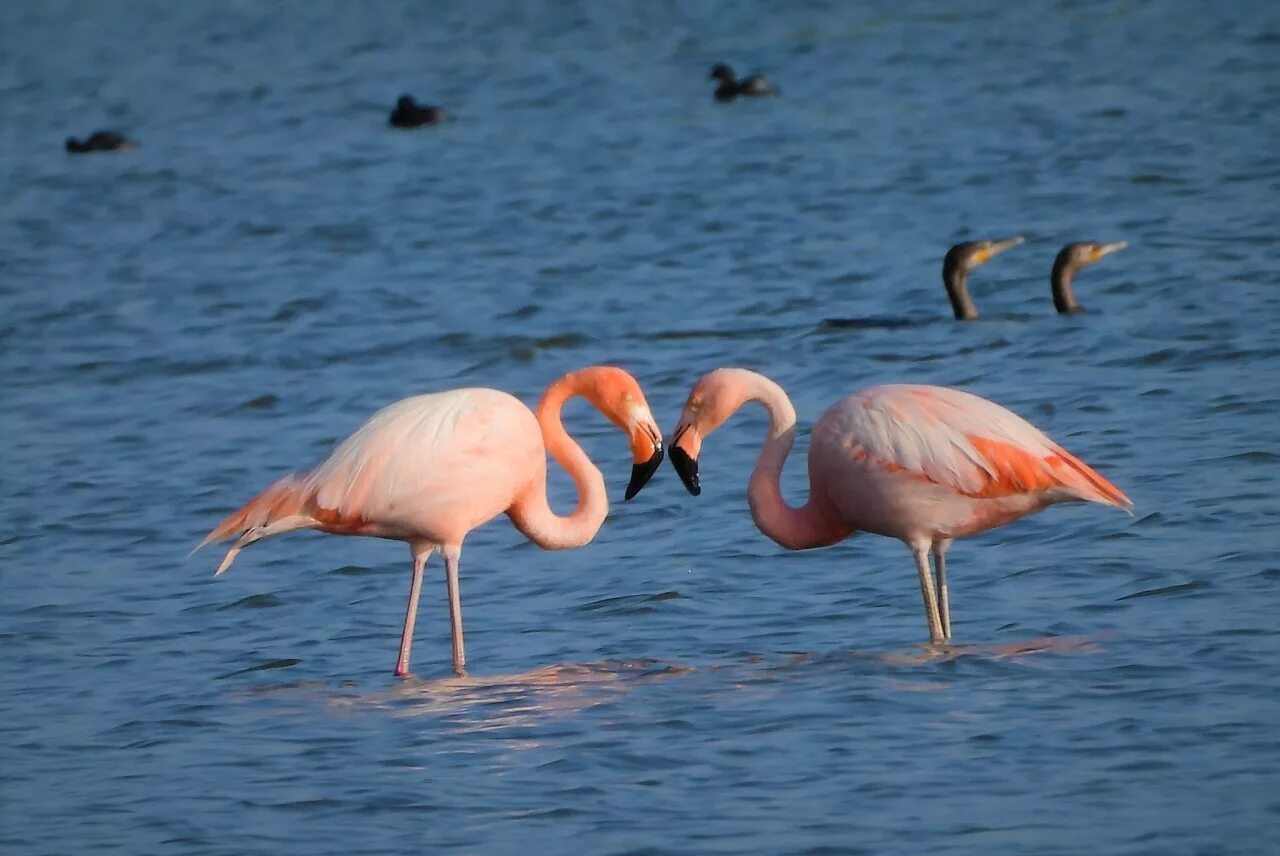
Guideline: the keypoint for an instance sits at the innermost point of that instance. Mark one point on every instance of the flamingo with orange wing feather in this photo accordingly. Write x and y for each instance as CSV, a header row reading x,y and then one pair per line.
x,y
923,464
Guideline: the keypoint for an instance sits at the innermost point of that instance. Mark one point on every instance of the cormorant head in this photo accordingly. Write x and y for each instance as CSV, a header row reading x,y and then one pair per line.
x,y
1084,253
966,256
721,72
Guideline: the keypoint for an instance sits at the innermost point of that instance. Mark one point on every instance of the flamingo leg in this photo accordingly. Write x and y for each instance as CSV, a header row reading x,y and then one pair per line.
x,y
420,555
451,558
926,591
944,600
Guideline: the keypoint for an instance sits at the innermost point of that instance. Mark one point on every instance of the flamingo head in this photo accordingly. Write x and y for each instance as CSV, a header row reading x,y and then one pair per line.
x,y
617,395
712,400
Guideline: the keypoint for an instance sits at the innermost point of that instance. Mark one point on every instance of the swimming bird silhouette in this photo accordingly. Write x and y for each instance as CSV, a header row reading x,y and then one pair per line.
x,y
963,258
99,141
956,265
1070,259
429,469
923,464
408,113
959,261
753,86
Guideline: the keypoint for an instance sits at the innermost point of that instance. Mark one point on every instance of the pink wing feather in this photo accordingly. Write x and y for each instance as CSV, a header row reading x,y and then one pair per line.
x,y
964,442
410,457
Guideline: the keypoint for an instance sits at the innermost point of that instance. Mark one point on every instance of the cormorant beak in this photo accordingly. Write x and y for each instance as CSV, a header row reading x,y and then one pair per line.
x,y
1108,249
686,443
646,455
995,249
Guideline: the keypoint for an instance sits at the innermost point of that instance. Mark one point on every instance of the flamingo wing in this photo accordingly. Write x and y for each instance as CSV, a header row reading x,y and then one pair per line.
x,y
413,458
964,442
431,466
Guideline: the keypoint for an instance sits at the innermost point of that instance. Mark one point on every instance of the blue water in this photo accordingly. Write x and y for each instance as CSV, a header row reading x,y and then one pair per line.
x,y
181,324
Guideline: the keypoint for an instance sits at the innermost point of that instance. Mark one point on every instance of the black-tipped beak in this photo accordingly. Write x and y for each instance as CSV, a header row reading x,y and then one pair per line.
x,y
641,473
687,468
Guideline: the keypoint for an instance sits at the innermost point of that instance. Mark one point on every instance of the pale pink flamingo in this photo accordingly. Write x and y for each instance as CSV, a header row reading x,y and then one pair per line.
x,y
923,464
429,469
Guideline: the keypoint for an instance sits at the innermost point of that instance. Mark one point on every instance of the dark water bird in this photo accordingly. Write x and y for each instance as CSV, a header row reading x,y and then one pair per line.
x,y
730,87
100,141
963,258
956,265
1070,259
410,114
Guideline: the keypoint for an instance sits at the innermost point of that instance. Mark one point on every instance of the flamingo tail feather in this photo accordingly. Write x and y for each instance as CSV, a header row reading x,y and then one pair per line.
x,y
1093,486
278,509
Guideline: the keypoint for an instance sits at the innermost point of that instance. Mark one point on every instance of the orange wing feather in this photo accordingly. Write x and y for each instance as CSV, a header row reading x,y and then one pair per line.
x,y
1014,470
964,443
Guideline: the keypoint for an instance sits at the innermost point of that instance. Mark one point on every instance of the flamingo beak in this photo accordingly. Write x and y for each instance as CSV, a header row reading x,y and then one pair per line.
x,y
686,443
646,456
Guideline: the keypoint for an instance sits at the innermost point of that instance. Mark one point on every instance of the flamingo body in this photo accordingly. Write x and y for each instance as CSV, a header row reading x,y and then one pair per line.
x,y
433,467
923,464
931,463
430,468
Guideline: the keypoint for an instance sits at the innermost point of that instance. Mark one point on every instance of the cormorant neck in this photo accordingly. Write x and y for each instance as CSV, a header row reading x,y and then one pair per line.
x,y
1064,299
956,280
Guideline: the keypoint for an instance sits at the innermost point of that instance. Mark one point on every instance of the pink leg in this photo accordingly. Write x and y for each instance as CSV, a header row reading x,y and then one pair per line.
x,y
420,555
452,555
926,591
944,598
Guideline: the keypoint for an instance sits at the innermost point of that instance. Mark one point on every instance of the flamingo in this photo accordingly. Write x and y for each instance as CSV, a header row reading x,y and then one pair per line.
x,y
923,464
430,468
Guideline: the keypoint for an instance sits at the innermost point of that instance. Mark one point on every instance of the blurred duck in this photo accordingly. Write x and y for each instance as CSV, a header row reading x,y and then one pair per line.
x,y
1070,259
963,258
100,141
410,114
730,87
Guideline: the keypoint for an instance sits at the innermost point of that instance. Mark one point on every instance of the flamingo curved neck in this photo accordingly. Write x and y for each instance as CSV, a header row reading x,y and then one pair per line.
x,y
531,513
794,528
1064,299
956,281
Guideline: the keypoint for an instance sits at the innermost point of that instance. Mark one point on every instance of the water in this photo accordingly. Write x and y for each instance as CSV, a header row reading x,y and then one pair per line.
x,y
182,324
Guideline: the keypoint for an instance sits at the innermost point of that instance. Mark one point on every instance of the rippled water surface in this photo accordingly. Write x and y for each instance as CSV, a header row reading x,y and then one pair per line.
x,y
181,324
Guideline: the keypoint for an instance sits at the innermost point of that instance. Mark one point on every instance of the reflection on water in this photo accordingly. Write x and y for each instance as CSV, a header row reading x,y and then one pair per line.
x,y
511,700
475,703
1019,651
